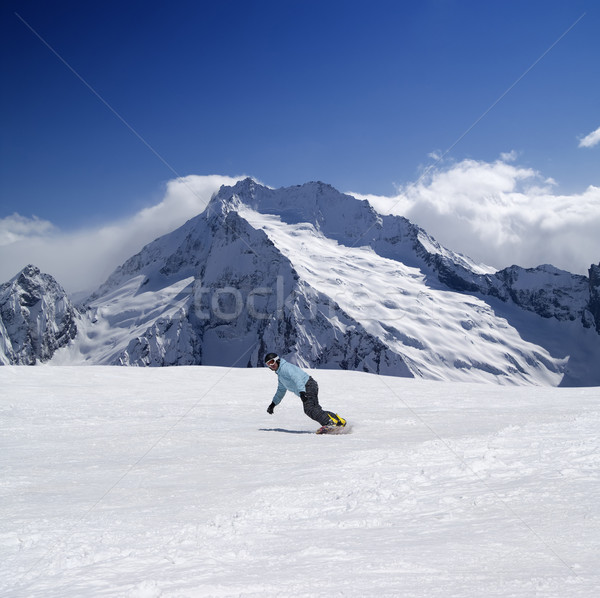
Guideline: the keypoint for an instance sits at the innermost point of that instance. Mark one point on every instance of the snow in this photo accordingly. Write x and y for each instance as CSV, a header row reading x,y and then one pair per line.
x,y
175,482
442,334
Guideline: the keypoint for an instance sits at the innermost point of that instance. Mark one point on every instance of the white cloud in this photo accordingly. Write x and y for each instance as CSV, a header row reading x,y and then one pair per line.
x,y
16,228
498,213
436,155
590,140
508,156
82,260
502,214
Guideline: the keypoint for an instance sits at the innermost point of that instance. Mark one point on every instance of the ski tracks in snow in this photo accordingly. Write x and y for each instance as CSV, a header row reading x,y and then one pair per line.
x,y
441,490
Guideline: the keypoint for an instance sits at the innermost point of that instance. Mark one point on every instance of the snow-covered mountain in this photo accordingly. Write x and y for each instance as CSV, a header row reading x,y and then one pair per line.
x,y
36,318
324,279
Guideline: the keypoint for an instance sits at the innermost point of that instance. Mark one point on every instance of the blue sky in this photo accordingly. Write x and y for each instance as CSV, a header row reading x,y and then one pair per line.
x,y
361,95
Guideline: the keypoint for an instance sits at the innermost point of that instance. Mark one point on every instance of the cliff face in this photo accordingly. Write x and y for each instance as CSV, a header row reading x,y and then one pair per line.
x,y
36,318
594,301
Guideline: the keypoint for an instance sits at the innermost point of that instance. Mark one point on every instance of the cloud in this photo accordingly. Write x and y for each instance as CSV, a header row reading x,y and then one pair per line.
x,y
17,228
498,213
501,214
82,260
590,140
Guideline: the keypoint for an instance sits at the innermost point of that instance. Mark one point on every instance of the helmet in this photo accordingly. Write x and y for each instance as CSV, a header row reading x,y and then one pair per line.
x,y
271,357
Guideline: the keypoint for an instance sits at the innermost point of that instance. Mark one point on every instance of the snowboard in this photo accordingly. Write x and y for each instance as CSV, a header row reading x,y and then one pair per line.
x,y
337,430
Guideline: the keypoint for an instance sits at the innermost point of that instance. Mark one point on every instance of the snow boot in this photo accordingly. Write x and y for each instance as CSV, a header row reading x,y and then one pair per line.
x,y
336,420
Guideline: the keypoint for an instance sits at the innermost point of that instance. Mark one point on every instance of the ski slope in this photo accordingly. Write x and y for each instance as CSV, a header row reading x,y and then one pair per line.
x,y
175,482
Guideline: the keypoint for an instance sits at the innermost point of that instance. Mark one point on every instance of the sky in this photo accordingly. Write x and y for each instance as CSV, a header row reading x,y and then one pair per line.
x,y
479,121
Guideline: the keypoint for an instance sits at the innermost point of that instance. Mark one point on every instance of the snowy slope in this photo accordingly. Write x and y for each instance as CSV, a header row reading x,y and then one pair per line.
x,y
441,334
175,482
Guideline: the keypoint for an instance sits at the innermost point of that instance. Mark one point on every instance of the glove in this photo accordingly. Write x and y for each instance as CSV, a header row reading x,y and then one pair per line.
x,y
270,408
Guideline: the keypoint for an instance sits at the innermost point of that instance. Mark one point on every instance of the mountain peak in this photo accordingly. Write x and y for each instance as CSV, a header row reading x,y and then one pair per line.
x,y
36,317
244,186
28,272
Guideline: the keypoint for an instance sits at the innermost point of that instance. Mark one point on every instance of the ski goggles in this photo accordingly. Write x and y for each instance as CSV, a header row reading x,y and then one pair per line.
x,y
272,361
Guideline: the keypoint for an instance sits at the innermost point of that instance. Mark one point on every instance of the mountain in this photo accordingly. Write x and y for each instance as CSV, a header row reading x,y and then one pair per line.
x,y
218,291
322,278
36,318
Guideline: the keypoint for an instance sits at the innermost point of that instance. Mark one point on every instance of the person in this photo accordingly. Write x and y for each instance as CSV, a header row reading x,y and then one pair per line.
x,y
291,377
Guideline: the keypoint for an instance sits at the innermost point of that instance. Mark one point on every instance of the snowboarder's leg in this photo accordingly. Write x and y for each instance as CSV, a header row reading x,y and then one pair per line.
x,y
310,402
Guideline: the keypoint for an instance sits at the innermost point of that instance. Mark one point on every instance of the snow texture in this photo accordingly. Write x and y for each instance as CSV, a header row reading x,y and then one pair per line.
x,y
176,483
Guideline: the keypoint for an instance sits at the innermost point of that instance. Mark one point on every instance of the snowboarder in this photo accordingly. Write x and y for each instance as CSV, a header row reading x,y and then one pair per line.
x,y
291,377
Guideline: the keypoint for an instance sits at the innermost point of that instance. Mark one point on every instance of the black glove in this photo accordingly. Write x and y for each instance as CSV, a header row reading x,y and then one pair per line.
x,y
270,408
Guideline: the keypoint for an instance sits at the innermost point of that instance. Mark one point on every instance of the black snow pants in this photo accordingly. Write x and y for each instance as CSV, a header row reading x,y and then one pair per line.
x,y
310,402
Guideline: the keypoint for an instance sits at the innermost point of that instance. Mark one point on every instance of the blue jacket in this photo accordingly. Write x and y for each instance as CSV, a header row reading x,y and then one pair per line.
x,y
291,377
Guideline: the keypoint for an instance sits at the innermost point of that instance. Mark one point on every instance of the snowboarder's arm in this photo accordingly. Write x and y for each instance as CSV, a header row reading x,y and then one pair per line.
x,y
281,390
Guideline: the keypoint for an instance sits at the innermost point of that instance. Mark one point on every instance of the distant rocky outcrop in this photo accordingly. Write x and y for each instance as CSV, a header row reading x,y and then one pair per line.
x,y
36,318
594,302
